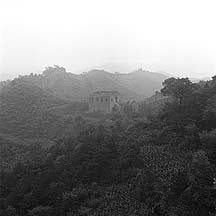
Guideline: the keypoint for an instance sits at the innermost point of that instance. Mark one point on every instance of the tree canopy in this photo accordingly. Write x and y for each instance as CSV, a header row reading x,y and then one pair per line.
x,y
155,164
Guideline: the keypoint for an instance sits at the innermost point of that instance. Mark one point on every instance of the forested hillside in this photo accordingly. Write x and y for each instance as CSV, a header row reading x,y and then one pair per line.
x,y
23,111
155,164
31,117
135,85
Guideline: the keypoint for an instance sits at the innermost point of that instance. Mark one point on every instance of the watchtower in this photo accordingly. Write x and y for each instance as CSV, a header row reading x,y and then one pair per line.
x,y
104,100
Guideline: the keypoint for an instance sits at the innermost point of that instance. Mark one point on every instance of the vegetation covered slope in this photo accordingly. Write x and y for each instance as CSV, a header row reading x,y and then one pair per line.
x,y
23,111
163,166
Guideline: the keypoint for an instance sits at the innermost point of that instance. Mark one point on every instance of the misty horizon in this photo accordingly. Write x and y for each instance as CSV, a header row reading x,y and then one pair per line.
x,y
175,37
121,68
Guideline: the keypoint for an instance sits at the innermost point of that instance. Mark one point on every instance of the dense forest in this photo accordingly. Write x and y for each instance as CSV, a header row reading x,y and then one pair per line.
x,y
155,162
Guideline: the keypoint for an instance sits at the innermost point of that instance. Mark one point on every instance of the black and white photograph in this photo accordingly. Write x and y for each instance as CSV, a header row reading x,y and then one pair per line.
x,y
107,108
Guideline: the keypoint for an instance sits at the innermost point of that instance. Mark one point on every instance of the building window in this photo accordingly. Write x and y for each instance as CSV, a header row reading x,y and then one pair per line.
x,y
106,99
112,99
116,99
101,99
97,99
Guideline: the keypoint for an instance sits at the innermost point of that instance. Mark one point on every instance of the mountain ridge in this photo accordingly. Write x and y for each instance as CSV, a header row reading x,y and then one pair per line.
x,y
138,84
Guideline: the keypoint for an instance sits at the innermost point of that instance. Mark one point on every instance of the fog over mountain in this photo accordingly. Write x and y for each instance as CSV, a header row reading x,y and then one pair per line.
x,y
173,36
137,84
126,67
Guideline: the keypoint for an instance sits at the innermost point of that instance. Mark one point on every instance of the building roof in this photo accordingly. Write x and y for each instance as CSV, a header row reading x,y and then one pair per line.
x,y
105,93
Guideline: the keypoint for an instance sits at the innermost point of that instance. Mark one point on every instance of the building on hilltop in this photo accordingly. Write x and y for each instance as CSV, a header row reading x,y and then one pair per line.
x,y
104,101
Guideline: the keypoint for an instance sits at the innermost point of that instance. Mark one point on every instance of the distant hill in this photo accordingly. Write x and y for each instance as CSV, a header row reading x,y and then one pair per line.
x,y
135,85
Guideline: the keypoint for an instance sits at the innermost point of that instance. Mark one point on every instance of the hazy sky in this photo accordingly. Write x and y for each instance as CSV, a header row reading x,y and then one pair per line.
x,y
176,36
